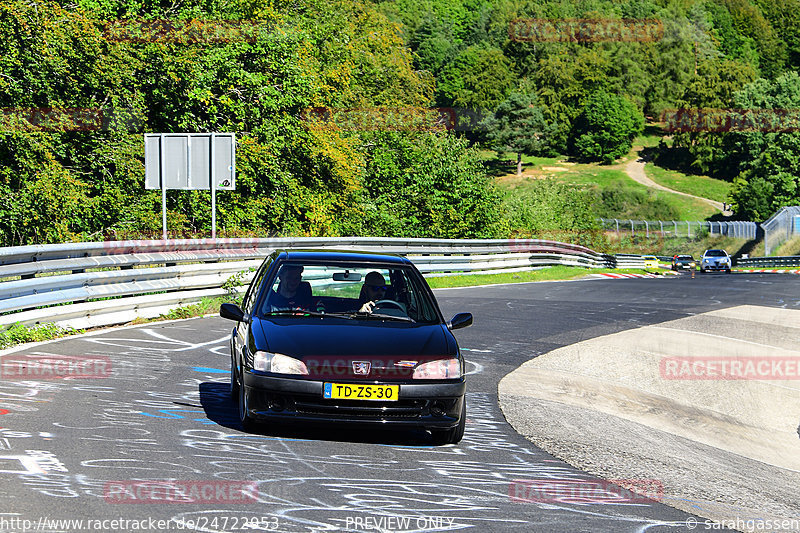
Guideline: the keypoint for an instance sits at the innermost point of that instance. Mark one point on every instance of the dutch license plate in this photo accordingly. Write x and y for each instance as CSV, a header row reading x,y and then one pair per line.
x,y
343,391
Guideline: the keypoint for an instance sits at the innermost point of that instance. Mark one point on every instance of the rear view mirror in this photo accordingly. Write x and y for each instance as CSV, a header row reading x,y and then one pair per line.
x,y
346,276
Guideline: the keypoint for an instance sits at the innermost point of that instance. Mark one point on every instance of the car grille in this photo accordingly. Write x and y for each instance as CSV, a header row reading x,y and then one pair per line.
x,y
400,410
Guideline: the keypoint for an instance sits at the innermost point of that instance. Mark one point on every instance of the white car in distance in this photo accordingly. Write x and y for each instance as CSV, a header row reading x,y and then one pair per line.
x,y
715,260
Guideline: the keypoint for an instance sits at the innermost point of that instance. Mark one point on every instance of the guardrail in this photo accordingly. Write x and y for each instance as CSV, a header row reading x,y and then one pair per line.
x,y
628,261
770,262
103,283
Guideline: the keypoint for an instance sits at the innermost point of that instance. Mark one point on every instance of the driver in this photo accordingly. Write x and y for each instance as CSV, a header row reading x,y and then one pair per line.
x,y
293,292
374,290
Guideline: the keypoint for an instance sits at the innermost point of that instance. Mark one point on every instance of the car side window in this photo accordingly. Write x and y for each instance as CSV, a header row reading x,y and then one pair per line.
x,y
252,291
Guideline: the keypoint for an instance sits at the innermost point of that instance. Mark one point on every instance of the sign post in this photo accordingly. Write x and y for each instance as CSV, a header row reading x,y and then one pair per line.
x,y
190,161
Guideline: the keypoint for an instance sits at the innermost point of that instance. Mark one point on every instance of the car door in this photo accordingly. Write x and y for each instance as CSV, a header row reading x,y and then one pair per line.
x,y
240,332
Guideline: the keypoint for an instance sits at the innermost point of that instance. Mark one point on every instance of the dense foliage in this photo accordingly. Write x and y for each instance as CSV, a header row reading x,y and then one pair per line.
x,y
293,176
256,68
706,53
606,127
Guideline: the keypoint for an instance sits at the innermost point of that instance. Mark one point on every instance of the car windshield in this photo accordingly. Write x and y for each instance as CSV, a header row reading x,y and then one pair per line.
x,y
716,253
342,290
686,257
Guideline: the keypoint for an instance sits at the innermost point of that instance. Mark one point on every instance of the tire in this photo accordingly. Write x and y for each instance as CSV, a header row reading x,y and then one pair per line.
x,y
728,271
248,422
454,435
234,390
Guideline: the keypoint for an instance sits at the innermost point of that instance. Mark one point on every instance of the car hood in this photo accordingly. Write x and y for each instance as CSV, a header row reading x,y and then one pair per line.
x,y
331,347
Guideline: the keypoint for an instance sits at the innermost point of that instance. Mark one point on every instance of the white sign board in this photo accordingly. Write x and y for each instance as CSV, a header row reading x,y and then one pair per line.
x,y
190,161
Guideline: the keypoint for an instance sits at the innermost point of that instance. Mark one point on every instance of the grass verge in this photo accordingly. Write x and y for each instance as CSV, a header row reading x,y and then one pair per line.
x,y
19,334
701,186
605,178
546,274
790,247
749,268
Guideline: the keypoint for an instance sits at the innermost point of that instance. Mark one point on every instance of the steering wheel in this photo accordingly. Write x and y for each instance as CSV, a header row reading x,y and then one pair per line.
x,y
390,304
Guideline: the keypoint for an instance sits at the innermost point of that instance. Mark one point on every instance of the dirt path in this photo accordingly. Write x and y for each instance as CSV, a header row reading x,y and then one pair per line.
x,y
635,169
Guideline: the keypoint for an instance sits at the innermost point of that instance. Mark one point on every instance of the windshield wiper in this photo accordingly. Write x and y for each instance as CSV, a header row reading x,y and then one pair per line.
x,y
380,316
294,312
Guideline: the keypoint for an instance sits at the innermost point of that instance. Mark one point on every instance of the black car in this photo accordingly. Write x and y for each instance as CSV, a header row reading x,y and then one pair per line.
x,y
346,337
680,262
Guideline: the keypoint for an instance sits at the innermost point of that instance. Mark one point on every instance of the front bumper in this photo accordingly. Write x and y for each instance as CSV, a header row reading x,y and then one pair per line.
x,y
716,266
292,400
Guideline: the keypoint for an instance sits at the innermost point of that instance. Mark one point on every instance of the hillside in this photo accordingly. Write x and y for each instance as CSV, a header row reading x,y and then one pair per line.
x,y
370,118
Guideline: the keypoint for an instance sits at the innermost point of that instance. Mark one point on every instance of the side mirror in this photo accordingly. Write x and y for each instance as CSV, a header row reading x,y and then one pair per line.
x,y
461,320
233,312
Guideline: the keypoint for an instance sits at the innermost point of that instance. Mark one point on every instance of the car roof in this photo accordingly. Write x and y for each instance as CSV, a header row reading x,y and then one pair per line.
x,y
347,256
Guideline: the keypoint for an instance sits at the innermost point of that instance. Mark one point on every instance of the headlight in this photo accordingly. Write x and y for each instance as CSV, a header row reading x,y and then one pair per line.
x,y
440,369
278,363
692,264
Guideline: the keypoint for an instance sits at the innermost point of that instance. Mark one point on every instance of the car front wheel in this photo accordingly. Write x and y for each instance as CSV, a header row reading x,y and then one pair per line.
x,y
234,381
248,423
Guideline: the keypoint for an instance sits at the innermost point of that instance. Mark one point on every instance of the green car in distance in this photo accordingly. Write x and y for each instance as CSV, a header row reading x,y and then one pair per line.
x,y
683,262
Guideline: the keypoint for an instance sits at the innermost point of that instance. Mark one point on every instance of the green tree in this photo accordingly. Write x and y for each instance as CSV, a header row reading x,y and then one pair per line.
x,y
766,163
606,127
479,78
427,185
518,125
564,82
712,87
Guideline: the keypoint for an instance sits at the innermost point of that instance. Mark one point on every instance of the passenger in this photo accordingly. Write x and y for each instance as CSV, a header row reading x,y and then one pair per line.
x,y
293,292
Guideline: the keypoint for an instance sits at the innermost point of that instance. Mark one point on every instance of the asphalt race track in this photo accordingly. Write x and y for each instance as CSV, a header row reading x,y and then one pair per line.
x,y
80,449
